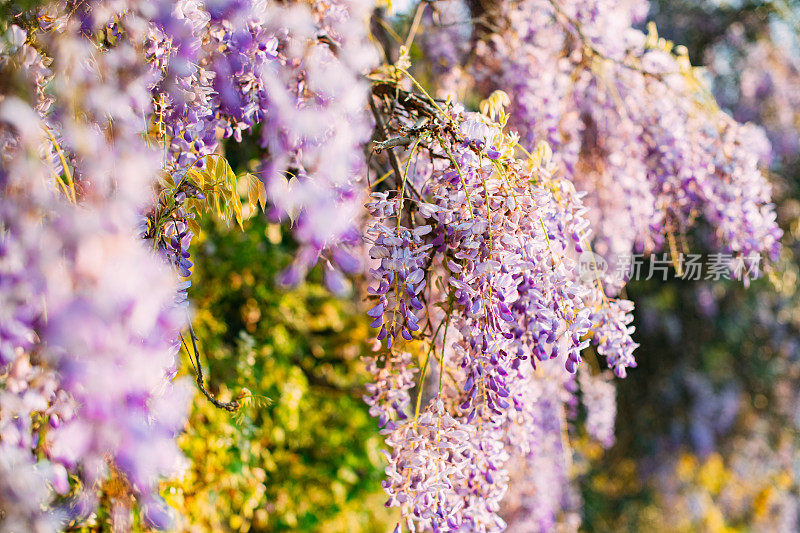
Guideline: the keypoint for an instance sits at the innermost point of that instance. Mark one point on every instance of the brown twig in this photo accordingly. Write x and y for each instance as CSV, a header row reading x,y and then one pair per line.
x,y
415,23
384,134
231,406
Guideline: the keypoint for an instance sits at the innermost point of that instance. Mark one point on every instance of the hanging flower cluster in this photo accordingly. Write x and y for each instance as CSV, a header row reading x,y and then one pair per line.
x,y
113,117
487,243
629,118
101,104
92,327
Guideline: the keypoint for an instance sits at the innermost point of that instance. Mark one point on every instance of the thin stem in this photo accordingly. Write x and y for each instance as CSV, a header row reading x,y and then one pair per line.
x,y
460,175
64,165
393,160
389,30
503,175
444,343
428,96
488,218
422,373
384,136
405,177
231,406
189,353
442,368
673,252
415,24
382,178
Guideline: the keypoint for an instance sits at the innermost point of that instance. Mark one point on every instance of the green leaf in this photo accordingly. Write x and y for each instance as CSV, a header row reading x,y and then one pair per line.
x,y
220,166
193,226
254,187
233,188
197,177
237,208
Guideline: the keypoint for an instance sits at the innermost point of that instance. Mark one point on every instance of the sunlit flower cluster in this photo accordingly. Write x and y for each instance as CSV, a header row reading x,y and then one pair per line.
x,y
629,119
114,116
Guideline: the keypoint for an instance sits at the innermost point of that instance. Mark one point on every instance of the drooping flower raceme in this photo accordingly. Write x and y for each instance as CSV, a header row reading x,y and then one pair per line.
x,y
97,325
755,80
630,122
292,69
119,99
113,117
488,242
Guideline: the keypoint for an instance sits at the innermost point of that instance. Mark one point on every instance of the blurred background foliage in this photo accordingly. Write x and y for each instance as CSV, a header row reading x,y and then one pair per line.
x,y
306,459
707,426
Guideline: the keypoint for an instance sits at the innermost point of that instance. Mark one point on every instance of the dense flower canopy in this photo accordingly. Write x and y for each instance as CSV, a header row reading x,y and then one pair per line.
x,y
469,223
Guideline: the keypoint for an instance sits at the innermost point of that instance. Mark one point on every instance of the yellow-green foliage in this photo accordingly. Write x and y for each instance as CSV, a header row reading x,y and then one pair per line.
x,y
308,458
